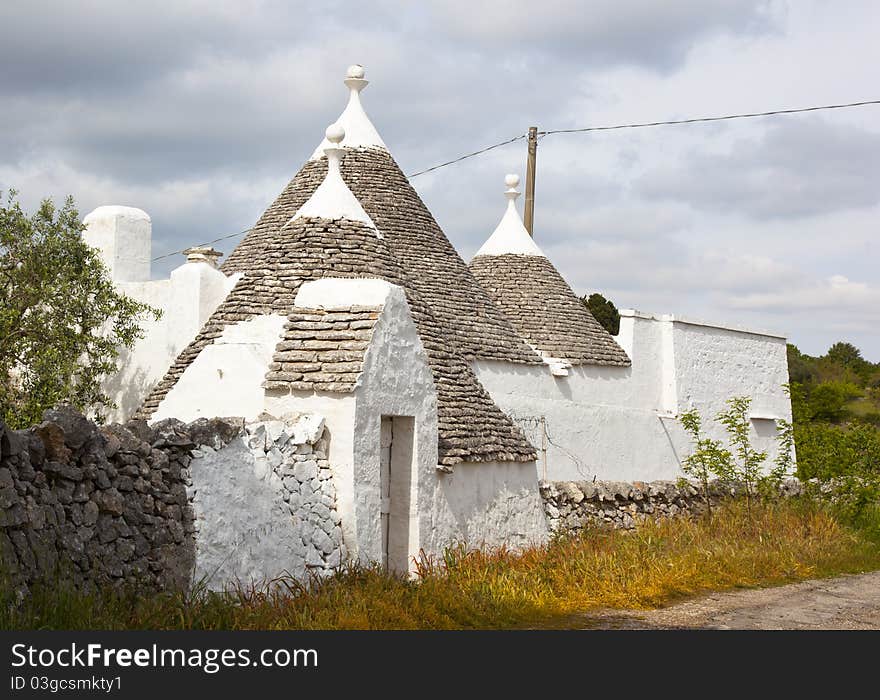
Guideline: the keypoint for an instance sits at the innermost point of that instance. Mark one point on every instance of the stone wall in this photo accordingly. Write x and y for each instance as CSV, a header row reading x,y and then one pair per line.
x,y
571,506
157,507
265,504
95,506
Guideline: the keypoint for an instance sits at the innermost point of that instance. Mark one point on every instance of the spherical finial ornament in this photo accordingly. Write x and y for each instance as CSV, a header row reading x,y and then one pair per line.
x,y
511,180
356,71
335,133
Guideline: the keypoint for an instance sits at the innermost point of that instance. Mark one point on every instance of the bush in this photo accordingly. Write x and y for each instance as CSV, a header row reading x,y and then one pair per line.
x,y
739,463
828,401
826,451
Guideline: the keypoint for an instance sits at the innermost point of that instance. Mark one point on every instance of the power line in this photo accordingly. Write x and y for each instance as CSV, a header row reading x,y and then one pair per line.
x,y
216,240
641,125
638,125
695,120
469,155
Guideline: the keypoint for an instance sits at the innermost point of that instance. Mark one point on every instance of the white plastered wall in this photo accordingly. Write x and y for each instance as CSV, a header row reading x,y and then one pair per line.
x,y
226,377
486,505
123,236
395,381
620,423
187,298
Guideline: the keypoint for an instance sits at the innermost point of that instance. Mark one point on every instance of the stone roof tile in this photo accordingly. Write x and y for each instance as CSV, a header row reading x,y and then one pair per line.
x,y
544,310
471,427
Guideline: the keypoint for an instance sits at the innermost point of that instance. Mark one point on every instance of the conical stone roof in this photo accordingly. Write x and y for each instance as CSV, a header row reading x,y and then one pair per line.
x,y
536,299
403,246
470,321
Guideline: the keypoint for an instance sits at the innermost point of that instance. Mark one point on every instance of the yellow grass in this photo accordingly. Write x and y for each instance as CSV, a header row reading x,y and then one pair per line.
x,y
649,567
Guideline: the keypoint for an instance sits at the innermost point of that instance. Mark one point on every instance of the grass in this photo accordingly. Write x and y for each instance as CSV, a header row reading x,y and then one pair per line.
x,y
652,566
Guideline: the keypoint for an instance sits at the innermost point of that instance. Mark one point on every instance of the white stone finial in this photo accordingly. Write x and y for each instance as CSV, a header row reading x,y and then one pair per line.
x,y
511,180
359,130
333,199
510,236
335,133
354,78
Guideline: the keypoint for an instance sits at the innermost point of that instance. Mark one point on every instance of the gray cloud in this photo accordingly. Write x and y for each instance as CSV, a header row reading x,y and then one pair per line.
x,y
802,167
199,111
641,32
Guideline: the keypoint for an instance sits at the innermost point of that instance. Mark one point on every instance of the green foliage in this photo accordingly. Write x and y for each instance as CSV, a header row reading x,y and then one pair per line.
x,y
739,463
783,463
828,401
709,459
62,322
846,354
826,451
842,363
604,311
747,461
801,369
854,499
836,408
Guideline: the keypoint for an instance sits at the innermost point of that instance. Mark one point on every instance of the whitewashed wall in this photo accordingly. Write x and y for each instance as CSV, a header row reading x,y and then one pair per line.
x,y
486,505
621,423
226,377
265,505
489,504
187,298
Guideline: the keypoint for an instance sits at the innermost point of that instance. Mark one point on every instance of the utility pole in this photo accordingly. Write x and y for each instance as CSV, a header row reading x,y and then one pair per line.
x,y
529,218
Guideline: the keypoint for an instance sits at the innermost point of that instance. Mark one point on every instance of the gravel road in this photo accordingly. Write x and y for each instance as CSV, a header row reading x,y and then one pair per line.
x,y
844,603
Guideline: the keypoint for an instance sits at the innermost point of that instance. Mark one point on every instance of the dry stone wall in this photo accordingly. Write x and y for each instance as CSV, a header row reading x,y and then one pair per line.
x,y
157,507
571,506
95,506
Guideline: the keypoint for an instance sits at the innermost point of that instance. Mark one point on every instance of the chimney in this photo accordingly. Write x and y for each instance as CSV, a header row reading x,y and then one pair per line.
x,y
123,237
202,254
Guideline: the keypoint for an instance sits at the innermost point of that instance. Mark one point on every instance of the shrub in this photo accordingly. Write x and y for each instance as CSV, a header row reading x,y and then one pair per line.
x,y
826,451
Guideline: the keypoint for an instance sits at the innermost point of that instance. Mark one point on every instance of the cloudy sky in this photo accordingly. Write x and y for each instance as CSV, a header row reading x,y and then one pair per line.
x,y
199,111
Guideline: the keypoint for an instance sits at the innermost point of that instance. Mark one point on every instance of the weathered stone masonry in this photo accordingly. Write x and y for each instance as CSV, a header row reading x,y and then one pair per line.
x,y
571,506
265,504
118,505
95,506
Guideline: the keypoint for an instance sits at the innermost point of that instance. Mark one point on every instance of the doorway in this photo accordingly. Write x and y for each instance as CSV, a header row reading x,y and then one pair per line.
x,y
397,434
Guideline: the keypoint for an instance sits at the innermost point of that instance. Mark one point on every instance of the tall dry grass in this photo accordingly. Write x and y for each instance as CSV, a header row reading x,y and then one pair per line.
x,y
650,566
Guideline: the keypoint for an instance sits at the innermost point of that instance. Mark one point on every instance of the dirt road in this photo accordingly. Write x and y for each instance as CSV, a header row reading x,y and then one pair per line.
x,y
845,603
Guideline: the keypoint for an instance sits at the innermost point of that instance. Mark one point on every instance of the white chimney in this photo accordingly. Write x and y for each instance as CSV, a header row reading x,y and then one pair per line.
x,y
123,235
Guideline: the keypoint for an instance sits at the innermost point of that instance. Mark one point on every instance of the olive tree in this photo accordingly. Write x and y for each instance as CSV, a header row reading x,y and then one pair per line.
x,y
62,322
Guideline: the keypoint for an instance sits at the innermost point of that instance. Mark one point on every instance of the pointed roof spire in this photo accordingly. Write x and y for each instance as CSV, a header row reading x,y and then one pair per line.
x,y
359,130
510,236
536,299
333,199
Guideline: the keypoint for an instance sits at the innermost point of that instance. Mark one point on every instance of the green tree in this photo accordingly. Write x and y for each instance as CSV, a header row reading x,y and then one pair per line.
x,y
604,311
801,368
846,354
828,401
62,322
